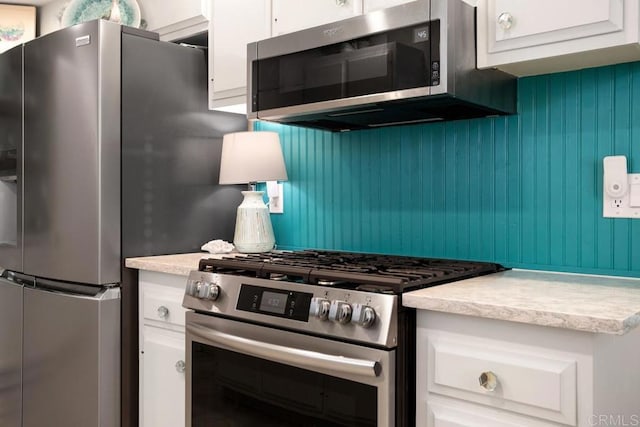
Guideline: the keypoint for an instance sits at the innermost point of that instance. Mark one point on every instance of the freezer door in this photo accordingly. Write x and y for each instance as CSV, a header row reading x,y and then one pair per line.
x,y
72,154
11,159
71,357
10,353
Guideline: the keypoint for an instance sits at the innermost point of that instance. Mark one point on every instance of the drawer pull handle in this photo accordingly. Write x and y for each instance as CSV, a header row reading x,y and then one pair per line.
x,y
180,366
488,381
341,3
505,20
163,312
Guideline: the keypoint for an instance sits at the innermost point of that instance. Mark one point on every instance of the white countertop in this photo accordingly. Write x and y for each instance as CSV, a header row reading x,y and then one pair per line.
x,y
602,304
181,264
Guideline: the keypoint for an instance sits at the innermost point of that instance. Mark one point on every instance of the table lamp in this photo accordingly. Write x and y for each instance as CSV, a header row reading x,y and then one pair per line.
x,y
248,158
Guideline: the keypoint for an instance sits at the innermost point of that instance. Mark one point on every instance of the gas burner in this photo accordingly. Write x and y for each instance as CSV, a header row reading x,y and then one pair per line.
x,y
324,282
376,289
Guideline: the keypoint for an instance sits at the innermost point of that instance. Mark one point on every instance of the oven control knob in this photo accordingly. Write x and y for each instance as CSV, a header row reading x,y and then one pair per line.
x,y
192,288
209,291
363,315
340,312
320,308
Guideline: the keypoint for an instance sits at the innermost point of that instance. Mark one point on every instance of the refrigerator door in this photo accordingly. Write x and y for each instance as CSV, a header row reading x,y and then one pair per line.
x,y
11,159
72,154
10,353
71,356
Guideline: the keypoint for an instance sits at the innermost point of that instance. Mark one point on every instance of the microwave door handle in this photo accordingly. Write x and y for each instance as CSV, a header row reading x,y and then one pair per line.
x,y
288,355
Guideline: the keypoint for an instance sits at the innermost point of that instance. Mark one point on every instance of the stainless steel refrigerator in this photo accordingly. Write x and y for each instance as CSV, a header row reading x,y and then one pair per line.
x,y
11,291
118,157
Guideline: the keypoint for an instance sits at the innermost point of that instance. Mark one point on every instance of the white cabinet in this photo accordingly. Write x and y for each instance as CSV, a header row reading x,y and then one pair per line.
x,y
175,20
444,412
163,378
293,15
162,349
477,372
371,5
234,24
525,37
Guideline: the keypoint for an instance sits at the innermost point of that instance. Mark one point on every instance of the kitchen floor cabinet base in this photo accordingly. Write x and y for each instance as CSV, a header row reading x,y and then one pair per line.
x,y
162,350
550,376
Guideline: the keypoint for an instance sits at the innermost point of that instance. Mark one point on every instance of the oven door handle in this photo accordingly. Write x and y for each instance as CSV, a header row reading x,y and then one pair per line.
x,y
288,355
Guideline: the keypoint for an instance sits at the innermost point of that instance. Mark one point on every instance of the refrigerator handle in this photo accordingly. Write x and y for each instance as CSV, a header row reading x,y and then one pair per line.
x,y
18,278
79,290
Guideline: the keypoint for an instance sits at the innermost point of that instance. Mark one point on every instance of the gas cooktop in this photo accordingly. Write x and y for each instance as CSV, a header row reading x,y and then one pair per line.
x,y
348,270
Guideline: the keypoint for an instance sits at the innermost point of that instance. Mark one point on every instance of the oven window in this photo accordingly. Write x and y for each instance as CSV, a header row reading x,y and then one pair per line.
x,y
234,390
399,59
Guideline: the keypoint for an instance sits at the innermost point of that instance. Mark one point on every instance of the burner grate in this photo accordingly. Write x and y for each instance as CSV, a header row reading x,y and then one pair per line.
x,y
370,272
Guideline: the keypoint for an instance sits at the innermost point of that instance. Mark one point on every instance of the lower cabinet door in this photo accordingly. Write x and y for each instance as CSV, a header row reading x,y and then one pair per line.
x,y
163,378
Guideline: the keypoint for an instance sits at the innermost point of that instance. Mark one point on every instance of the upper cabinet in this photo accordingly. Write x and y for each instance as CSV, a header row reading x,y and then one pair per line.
x,y
175,20
526,38
371,5
234,24
293,15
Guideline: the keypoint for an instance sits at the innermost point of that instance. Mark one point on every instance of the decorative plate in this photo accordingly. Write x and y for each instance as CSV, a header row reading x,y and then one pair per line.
x,y
86,10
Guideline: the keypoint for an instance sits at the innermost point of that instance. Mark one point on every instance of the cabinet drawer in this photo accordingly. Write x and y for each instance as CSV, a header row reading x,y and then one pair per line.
x,y
445,412
529,381
166,308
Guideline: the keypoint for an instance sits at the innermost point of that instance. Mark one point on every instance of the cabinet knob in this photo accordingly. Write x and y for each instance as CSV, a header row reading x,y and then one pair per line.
x,y
505,20
180,366
163,312
341,3
488,381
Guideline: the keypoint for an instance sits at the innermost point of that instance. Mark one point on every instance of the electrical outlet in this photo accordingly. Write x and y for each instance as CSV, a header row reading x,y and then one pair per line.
x,y
626,205
634,192
276,203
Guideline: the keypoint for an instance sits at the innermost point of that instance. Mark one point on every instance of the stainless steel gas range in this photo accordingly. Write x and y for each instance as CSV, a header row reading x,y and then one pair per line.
x,y
307,338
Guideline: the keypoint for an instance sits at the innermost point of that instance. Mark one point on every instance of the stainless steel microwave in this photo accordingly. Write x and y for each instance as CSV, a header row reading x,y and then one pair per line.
x,y
410,63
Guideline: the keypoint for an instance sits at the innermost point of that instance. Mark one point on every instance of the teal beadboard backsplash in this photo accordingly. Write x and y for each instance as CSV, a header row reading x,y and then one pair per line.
x,y
524,191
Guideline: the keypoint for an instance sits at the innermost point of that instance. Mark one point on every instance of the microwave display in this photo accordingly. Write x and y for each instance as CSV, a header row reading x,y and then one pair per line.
x,y
402,58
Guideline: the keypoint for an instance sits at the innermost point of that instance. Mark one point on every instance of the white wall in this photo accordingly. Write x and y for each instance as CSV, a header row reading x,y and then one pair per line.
x,y
48,16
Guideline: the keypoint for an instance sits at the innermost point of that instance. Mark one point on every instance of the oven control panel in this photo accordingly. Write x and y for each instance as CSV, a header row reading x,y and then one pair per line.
x,y
321,310
274,302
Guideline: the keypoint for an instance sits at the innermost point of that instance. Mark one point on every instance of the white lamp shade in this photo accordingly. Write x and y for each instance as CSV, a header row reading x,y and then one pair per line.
x,y
251,157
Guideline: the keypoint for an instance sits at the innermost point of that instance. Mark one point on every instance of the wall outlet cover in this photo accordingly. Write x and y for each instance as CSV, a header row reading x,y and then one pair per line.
x,y
276,204
626,205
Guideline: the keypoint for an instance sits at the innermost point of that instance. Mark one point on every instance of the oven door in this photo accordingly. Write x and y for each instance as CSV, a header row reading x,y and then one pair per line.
x,y
244,375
